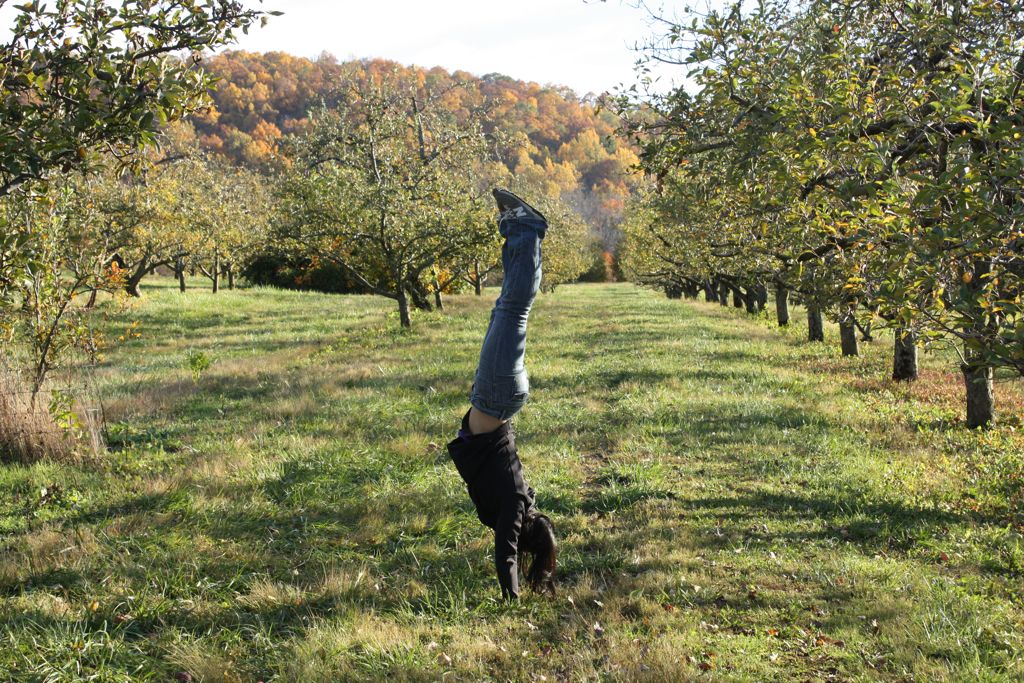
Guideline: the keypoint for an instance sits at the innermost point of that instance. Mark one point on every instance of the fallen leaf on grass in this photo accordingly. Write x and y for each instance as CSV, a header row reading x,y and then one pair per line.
x,y
707,661
823,639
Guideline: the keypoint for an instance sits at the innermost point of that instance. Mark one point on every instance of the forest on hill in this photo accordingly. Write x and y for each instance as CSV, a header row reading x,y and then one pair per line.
x,y
567,144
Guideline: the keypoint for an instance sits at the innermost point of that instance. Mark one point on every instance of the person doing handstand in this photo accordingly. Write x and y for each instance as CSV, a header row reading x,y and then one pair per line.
x,y
484,451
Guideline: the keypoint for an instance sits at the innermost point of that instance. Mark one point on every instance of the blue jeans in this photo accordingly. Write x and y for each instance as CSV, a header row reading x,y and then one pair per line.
x,y
501,386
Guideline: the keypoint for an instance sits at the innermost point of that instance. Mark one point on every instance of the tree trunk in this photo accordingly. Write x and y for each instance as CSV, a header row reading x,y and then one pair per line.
x,y
848,336
437,294
403,309
215,272
750,300
815,326
179,272
762,297
980,402
709,291
91,303
782,305
477,285
419,296
231,277
723,294
904,357
978,377
132,284
737,298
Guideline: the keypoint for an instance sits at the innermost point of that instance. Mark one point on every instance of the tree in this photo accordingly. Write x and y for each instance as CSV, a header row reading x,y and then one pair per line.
x,y
379,186
148,217
65,257
228,210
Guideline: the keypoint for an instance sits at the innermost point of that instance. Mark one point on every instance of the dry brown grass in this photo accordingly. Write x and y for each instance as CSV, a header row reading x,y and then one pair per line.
x,y
30,433
45,550
203,662
27,431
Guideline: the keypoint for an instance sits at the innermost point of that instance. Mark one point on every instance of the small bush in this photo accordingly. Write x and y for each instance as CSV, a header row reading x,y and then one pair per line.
x,y
198,363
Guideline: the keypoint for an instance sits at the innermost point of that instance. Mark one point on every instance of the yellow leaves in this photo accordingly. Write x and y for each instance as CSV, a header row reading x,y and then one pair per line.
x,y
813,133
131,332
966,278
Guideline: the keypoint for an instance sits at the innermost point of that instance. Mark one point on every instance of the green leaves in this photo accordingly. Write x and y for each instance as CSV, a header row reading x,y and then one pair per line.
x,y
84,78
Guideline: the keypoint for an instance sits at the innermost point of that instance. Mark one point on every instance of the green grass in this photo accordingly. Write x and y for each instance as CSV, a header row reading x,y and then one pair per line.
x,y
734,504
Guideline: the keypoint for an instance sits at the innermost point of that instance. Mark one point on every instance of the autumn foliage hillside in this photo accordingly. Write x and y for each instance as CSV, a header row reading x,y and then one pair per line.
x,y
563,142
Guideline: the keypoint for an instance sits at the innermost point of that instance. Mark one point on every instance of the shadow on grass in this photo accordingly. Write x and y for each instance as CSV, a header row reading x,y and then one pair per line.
x,y
870,524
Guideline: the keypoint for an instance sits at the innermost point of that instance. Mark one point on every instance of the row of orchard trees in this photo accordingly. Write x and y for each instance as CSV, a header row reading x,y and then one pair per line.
x,y
386,183
863,156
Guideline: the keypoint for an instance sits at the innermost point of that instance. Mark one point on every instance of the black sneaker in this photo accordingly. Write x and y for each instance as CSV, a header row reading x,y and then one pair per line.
x,y
512,206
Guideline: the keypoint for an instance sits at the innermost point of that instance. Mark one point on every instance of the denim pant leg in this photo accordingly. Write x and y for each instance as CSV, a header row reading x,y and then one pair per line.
x,y
501,386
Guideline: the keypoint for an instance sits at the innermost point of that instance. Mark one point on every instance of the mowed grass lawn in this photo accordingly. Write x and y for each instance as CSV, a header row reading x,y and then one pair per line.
x,y
733,503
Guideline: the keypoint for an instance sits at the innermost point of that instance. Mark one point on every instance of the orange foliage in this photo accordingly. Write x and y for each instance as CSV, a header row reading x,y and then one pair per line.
x,y
262,97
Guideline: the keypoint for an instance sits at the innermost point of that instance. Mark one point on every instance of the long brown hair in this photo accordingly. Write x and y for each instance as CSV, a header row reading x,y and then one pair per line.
x,y
538,539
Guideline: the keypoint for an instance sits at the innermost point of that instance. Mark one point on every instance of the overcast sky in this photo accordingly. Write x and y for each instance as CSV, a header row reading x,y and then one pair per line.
x,y
584,44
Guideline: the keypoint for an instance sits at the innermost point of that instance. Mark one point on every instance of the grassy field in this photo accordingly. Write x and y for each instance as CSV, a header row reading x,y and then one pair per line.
x,y
734,505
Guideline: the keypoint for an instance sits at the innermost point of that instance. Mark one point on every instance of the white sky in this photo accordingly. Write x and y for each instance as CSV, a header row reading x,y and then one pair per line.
x,y
584,44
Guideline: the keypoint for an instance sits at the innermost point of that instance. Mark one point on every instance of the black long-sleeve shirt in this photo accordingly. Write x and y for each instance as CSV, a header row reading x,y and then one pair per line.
x,y
490,466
